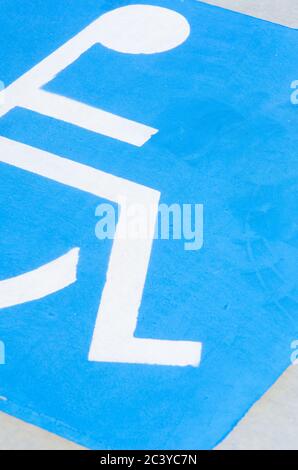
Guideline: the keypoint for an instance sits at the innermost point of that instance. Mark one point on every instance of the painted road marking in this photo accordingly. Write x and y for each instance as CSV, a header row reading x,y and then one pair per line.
x,y
283,12
87,117
41,282
227,139
113,337
164,30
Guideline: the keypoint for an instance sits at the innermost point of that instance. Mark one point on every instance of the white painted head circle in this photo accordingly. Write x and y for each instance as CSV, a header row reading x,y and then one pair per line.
x,y
142,29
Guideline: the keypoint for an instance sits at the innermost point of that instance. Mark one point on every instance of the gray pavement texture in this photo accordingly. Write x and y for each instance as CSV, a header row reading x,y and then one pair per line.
x,y
272,422
17,435
284,12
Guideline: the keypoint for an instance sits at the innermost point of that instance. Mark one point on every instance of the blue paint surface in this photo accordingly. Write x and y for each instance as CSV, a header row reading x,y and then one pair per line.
x,y
228,140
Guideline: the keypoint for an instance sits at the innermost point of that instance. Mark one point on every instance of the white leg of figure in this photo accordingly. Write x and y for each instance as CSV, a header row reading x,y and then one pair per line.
x,y
113,338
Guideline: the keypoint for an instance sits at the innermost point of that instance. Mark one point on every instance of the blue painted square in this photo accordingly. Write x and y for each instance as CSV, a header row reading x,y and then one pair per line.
x,y
227,139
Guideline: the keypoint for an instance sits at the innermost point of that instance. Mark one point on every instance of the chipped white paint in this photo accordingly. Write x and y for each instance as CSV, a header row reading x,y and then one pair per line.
x,y
49,278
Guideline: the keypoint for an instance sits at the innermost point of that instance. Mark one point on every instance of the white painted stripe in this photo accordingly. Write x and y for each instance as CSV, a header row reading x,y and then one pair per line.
x,y
73,174
87,117
283,12
41,282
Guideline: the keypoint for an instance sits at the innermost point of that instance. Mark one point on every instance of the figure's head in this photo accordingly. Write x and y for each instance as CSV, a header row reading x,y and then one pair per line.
x,y
142,29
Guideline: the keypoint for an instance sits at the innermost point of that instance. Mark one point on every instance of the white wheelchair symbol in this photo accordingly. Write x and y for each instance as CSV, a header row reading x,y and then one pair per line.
x,y
135,29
